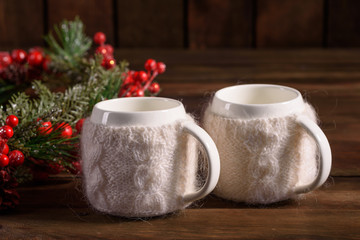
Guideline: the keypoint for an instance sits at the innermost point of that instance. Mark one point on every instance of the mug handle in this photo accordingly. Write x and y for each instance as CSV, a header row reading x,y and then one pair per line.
x,y
325,154
213,161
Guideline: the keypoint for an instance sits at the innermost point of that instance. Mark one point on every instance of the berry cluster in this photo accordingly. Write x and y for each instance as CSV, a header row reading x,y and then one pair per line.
x,y
46,128
21,65
106,50
15,158
140,83
42,169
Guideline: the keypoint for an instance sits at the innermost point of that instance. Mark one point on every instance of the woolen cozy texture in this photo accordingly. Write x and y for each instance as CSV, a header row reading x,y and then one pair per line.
x,y
138,171
262,160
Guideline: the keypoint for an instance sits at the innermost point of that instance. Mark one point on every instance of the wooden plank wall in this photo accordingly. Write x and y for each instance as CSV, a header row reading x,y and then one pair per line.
x,y
193,24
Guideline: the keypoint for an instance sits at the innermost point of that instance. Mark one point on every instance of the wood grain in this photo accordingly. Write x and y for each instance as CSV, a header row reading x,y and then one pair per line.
x,y
197,24
191,224
343,26
96,15
285,24
21,24
220,24
150,24
52,211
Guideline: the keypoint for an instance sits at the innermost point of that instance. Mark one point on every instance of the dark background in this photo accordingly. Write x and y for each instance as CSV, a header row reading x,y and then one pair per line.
x,y
189,24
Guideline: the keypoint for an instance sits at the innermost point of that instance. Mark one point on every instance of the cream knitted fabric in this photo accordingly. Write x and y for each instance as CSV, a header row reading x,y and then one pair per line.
x,y
138,171
262,160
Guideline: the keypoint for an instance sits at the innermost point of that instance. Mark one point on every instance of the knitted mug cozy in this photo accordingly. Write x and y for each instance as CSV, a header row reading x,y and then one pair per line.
x,y
138,171
262,159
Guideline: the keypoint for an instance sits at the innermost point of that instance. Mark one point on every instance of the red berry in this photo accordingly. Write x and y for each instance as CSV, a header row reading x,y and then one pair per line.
x,y
109,49
102,50
128,79
46,128
4,160
139,93
12,121
79,125
154,87
111,63
5,59
66,130
76,167
6,132
128,94
131,73
160,67
108,62
99,38
133,89
135,76
141,76
150,64
16,158
19,55
35,58
5,150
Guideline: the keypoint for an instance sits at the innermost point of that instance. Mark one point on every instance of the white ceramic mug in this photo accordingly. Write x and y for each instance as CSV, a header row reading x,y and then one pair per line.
x,y
268,143
139,159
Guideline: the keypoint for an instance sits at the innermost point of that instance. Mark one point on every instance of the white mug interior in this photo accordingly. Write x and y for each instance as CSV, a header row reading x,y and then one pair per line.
x,y
148,111
257,101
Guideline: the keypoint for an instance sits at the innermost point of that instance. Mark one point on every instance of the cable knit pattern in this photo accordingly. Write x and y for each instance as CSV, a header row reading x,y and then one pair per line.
x,y
138,171
262,160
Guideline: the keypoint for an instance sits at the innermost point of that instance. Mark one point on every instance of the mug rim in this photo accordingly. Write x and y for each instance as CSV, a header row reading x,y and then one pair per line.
x,y
223,106
109,112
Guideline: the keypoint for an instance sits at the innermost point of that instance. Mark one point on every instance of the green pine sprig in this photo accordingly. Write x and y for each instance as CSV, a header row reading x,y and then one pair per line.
x,y
68,50
70,44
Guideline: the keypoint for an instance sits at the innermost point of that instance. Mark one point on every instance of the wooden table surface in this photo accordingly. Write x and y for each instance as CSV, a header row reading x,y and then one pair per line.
x,y
329,79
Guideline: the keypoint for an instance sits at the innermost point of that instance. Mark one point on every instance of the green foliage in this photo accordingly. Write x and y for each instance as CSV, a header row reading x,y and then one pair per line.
x,y
90,83
73,43
75,103
68,50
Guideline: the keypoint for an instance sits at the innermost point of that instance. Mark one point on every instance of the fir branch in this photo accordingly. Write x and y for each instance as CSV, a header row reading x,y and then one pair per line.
x,y
73,44
93,84
75,103
52,148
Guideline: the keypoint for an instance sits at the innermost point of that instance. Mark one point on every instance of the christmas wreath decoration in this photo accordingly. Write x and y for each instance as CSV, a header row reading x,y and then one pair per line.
x,y
40,124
